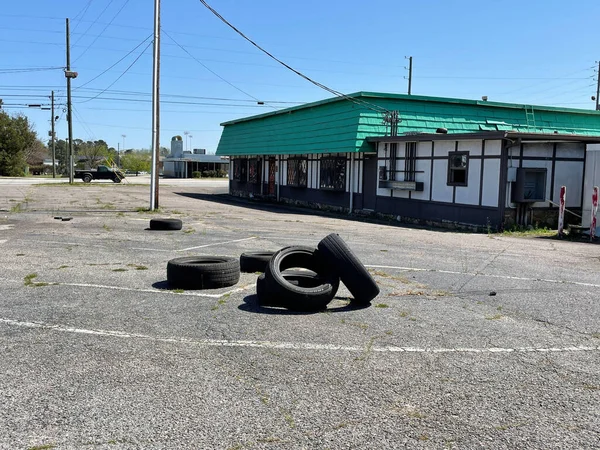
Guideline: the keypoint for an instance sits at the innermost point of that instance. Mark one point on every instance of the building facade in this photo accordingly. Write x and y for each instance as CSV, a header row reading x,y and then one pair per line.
x,y
416,159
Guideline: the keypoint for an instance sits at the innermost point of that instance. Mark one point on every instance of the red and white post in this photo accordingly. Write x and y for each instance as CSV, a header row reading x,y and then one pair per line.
x,y
561,210
594,212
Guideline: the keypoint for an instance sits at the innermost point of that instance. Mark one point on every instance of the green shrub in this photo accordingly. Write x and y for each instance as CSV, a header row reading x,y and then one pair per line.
x,y
196,174
221,173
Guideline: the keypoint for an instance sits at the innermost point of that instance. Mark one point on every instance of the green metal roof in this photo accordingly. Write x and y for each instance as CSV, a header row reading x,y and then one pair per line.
x,y
342,124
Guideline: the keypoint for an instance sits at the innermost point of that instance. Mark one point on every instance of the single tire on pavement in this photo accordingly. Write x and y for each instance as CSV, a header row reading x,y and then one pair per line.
x,y
306,296
87,178
203,272
336,253
252,262
166,224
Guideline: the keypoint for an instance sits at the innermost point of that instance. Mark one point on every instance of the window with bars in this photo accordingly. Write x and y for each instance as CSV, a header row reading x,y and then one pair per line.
x,y
240,169
297,172
333,173
410,166
253,171
458,168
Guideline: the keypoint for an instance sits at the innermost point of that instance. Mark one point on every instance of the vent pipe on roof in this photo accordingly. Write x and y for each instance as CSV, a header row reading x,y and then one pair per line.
x,y
442,131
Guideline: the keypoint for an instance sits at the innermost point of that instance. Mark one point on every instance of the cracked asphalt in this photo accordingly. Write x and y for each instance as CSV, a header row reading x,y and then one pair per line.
x,y
99,353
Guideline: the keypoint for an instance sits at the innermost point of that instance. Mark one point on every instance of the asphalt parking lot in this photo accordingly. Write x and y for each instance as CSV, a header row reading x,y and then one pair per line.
x,y
98,352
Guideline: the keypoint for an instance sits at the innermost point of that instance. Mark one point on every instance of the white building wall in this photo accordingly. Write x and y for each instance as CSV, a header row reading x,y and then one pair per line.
x,y
469,195
440,191
491,181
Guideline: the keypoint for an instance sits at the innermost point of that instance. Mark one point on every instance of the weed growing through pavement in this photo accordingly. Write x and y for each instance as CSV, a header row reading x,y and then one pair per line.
x,y
120,269
42,447
137,267
381,305
28,281
495,317
106,227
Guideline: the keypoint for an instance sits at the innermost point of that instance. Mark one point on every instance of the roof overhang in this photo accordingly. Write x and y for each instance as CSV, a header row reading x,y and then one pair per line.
x,y
488,135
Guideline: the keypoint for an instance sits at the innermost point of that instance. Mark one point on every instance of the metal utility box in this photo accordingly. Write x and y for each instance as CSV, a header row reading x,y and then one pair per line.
x,y
530,185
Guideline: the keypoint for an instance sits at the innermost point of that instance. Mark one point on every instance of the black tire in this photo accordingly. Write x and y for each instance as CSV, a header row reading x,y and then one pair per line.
x,y
252,262
336,254
307,279
87,178
203,272
166,224
312,293
116,179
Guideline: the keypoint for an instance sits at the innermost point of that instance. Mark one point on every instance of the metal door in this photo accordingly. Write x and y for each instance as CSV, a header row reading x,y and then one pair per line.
x,y
370,177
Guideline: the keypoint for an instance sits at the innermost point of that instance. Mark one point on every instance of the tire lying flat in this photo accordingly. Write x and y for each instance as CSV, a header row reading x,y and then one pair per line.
x,y
203,272
337,255
313,292
166,224
252,262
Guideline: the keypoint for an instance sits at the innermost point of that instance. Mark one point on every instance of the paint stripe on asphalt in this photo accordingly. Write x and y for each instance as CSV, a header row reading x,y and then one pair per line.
x,y
216,243
506,277
292,345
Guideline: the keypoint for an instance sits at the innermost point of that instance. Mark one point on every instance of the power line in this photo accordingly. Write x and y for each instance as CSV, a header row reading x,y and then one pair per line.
x,y
103,30
106,70
29,69
122,74
94,22
82,12
210,70
316,83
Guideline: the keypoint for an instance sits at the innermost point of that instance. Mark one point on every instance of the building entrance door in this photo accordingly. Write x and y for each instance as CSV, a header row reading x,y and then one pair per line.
x,y
272,175
370,178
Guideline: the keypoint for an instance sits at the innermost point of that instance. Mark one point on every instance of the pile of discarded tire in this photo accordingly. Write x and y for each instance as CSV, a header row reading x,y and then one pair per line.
x,y
302,278
298,278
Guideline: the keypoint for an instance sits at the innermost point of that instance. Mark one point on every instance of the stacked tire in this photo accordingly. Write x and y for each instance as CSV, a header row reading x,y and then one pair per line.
x,y
306,279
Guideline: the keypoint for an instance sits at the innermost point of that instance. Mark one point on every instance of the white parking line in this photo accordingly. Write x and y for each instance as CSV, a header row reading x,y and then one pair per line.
x,y
292,345
506,277
216,243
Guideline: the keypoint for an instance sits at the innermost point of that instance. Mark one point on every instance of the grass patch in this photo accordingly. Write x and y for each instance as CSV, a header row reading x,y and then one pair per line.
x,y
42,447
137,267
521,231
381,305
495,317
106,227
62,267
16,208
28,281
189,231
404,313
178,291
120,269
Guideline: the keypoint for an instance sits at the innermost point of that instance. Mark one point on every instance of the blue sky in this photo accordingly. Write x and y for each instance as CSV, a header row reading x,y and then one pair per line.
x,y
534,52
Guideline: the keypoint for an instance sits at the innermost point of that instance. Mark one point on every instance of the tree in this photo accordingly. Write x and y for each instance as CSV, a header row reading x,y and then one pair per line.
x,y
92,152
136,161
16,135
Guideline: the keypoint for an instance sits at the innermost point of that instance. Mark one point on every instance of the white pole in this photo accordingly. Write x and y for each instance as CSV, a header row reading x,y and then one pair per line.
x,y
155,109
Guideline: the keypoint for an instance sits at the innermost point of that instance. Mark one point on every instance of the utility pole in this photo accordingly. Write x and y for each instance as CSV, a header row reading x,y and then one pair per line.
x,y
53,140
598,88
409,75
155,109
68,76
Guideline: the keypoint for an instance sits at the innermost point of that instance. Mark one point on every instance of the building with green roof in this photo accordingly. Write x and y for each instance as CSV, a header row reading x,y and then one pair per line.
x,y
416,158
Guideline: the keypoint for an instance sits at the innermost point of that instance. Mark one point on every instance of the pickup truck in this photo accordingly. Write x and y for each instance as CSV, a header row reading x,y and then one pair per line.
x,y
102,173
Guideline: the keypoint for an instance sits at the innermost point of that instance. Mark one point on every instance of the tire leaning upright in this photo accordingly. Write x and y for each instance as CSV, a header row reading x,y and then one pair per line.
x,y
352,272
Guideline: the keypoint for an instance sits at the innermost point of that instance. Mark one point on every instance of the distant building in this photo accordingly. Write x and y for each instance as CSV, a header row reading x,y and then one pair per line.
x,y
186,164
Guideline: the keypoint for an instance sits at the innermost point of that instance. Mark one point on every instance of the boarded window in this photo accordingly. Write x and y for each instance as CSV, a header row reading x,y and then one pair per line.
x,y
253,171
410,153
240,169
333,173
297,172
458,168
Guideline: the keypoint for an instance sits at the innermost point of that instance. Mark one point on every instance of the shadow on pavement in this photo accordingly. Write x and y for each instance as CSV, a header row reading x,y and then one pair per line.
x,y
251,305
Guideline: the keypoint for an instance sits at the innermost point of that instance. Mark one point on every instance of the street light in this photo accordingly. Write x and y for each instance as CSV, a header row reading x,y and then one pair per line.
x,y
186,139
191,148
123,136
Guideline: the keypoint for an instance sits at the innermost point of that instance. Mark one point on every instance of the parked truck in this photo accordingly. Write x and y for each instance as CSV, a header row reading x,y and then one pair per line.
x,y
101,173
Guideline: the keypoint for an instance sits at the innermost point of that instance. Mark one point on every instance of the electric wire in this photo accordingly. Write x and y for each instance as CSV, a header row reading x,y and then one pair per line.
x,y
120,76
369,105
102,32
207,68
82,12
93,22
106,70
